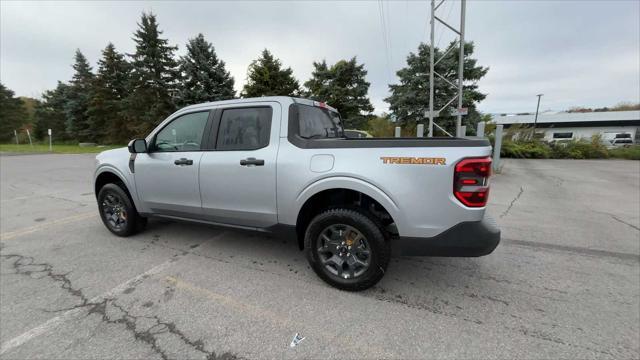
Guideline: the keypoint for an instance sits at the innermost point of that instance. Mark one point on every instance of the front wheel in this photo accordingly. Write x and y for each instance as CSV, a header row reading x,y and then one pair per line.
x,y
347,249
117,211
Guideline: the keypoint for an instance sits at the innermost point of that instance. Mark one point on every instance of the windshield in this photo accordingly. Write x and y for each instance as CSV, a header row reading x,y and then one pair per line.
x,y
319,123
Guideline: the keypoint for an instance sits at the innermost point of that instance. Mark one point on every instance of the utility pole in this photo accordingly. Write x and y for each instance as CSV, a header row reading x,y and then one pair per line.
x,y
535,121
433,63
463,6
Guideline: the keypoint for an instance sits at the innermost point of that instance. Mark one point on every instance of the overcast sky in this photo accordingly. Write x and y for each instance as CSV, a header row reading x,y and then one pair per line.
x,y
578,53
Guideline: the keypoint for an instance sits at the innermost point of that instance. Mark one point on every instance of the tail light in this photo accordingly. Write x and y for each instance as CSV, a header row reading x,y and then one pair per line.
x,y
471,181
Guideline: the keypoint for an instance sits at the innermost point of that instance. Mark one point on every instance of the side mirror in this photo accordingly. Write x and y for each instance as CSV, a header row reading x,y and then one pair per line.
x,y
137,146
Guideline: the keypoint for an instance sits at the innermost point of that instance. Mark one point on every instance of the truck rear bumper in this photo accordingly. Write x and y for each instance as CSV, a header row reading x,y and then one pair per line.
x,y
467,239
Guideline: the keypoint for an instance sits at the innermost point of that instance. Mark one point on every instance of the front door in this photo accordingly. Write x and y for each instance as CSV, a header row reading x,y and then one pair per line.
x,y
167,176
238,179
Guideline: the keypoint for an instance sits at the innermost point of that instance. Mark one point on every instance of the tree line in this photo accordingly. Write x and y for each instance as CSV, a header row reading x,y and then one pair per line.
x,y
129,94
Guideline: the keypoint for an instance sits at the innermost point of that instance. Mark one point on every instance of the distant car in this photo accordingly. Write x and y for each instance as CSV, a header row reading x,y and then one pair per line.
x,y
621,142
356,134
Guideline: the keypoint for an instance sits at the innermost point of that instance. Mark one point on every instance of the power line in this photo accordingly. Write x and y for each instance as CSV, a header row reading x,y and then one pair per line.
x,y
451,5
385,38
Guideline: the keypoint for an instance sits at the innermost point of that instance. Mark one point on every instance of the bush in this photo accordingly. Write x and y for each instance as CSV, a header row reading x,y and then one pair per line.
x,y
629,153
380,126
525,149
577,149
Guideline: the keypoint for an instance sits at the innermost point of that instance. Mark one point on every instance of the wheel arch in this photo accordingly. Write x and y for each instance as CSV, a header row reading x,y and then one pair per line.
x,y
106,175
346,192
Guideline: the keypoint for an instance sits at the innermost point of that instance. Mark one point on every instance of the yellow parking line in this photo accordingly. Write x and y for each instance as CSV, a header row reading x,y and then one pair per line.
x,y
363,351
34,228
228,301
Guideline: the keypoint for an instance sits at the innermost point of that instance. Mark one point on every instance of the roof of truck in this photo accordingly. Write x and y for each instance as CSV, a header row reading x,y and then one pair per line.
x,y
263,98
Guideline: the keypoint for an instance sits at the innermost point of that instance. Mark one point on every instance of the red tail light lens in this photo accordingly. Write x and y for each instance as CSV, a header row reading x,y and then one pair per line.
x,y
471,181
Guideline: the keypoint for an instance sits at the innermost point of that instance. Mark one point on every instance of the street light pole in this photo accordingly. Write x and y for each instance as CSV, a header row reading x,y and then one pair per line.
x,y
535,121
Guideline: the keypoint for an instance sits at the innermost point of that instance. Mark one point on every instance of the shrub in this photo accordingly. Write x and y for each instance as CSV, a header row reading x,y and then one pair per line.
x,y
576,149
525,149
629,153
579,149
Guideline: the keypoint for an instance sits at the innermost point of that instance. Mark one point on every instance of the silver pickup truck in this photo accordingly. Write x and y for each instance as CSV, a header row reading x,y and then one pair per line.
x,y
282,165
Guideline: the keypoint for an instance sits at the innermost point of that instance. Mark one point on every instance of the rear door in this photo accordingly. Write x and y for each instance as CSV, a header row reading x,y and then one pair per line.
x,y
167,176
238,178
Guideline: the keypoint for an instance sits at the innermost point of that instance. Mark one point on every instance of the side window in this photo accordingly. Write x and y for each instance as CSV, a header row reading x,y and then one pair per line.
x,y
563,135
183,133
319,123
244,128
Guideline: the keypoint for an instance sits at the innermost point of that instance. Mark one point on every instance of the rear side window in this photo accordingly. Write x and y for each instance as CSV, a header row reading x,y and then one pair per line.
x,y
244,128
318,123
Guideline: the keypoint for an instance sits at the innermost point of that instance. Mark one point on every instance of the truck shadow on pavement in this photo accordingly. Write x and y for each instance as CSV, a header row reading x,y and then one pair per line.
x,y
406,276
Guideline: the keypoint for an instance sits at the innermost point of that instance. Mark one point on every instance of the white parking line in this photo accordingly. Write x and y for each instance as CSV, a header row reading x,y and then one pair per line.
x,y
54,322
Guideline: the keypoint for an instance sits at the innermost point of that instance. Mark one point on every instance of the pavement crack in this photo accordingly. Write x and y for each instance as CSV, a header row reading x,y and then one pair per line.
x,y
109,311
512,203
112,313
381,295
623,222
574,249
79,203
26,265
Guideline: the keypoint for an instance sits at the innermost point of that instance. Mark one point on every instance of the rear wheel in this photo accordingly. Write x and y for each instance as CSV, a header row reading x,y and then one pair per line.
x,y
347,249
117,211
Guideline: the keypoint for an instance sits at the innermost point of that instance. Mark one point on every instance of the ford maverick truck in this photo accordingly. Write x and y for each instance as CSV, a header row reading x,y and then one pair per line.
x,y
283,165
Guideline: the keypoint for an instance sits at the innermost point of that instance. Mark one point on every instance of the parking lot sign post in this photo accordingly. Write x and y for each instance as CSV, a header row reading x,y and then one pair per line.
x,y
50,145
480,131
496,148
29,136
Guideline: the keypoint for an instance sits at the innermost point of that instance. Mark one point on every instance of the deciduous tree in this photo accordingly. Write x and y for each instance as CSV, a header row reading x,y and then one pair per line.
x,y
12,113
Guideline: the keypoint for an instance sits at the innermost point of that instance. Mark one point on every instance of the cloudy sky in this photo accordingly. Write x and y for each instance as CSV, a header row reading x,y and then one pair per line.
x,y
578,53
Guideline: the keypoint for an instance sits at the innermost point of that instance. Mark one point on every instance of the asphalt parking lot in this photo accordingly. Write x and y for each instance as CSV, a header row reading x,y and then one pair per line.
x,y
565,282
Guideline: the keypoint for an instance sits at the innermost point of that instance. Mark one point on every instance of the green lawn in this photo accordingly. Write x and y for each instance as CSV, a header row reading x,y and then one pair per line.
x,y
57,148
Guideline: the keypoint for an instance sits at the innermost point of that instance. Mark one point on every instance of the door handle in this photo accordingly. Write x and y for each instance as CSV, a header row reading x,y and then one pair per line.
x,y
252,161
183,161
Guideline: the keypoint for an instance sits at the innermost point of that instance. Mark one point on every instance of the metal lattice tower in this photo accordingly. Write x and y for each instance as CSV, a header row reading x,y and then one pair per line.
x,y
433,62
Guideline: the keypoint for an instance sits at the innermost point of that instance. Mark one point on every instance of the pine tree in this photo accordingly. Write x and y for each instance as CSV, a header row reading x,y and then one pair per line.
x,y
266,77
106,105
50,113
77,124
410,98
344,87
12,113
203,75
153,78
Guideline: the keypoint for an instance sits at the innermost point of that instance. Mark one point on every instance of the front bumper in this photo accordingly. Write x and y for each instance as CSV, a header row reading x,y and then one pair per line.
x,y
467,239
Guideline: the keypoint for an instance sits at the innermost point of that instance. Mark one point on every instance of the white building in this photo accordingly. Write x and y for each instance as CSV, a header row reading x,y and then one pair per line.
x,y
574,126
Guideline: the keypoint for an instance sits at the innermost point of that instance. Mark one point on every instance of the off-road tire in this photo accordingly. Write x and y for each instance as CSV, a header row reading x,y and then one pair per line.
x,y
366,224
134,222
